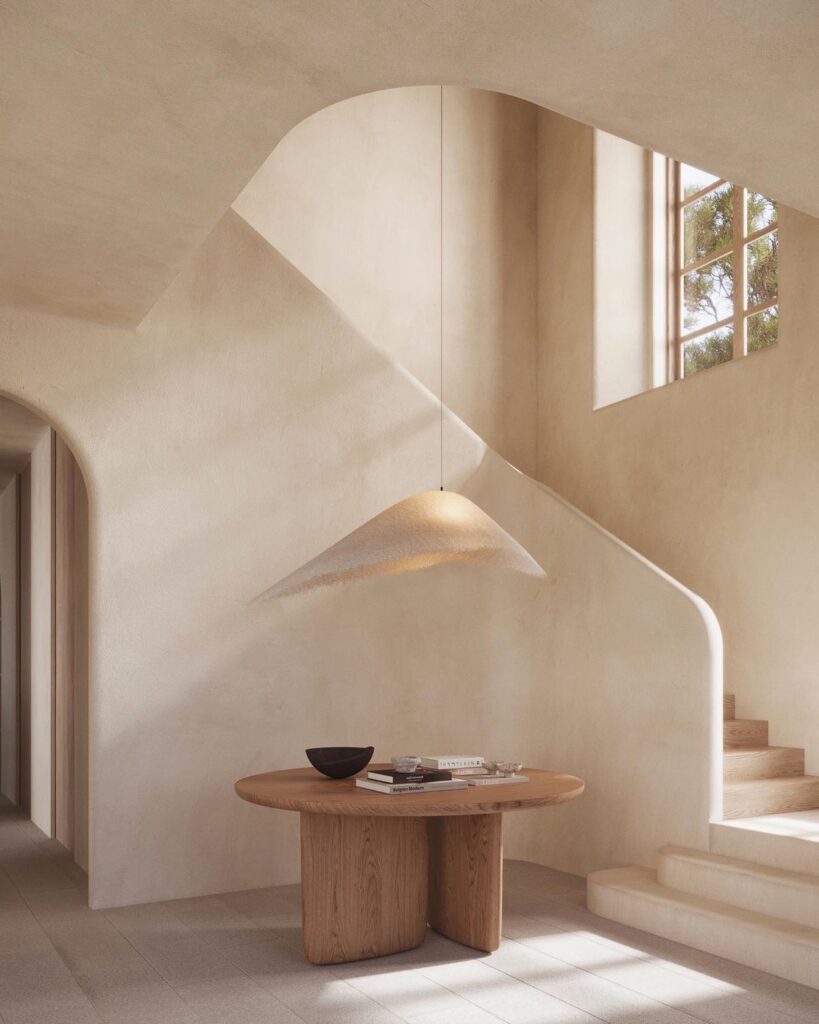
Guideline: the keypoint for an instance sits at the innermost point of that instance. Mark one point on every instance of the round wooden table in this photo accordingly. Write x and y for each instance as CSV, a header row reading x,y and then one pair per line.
x,y
377,869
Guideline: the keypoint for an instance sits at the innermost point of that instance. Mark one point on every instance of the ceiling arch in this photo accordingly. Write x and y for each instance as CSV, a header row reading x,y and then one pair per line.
x,y
128,130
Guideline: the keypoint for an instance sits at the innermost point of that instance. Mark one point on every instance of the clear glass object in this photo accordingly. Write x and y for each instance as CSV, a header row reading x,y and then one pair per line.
x,y
763,329
694,179
708,294
762,259
708,224
708,350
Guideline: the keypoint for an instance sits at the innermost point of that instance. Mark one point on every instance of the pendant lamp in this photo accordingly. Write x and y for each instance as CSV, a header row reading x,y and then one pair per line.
x,y
427,529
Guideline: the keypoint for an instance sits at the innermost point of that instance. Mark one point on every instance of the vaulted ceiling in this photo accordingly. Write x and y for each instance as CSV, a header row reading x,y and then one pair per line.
x,y
128,128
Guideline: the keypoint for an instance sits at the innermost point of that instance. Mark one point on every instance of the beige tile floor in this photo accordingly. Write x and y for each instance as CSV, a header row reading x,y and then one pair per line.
x,y
236,959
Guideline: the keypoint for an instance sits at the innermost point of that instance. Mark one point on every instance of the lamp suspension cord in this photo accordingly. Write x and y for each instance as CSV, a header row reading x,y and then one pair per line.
x,y
441,293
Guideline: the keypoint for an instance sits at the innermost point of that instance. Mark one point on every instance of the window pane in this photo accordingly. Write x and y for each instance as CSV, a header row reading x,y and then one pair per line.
x,y
710,350
761,212
708,294
694,180
708,224
761,255
763,329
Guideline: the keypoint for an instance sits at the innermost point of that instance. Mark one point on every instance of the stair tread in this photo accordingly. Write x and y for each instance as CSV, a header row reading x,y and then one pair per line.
x,y
766,872
792,826
744,732
643,882
741,751
778,781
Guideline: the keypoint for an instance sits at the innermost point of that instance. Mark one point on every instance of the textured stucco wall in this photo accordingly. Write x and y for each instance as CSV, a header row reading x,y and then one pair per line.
x,y
354,197
244,428
714,478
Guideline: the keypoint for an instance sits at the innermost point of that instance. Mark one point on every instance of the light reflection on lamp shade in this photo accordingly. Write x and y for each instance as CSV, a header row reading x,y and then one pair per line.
x,y
427,529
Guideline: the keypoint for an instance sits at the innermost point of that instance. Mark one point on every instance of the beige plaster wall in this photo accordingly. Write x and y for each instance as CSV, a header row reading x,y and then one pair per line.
x,y
353,198
156,128
714,478
622,277
9,641
244,428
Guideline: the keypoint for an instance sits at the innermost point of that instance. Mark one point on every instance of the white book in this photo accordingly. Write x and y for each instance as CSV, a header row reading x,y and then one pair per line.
x,y
493,780
411,787
445,762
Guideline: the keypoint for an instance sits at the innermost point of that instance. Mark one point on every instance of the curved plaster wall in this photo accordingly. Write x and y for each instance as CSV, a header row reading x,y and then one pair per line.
x,y
128,145
245,394
247,426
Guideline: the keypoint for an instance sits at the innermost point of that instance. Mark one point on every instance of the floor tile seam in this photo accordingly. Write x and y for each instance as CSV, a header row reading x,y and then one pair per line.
x,y
357,992
415,1016
534,988
599,977
678,970
76,975
628,988
176,989
268,991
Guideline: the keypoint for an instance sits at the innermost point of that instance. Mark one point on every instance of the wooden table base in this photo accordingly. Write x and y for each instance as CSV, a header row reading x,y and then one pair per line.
x,y
371,884
364,886
466,879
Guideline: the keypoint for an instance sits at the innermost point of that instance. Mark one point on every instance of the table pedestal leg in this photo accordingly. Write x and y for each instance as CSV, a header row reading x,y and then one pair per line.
x,y
466,878
364,886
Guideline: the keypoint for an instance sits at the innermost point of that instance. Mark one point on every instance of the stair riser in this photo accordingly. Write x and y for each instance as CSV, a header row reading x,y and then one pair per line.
x,y
740,765
729,706
742,732
796,903
723,937
778,851
748,800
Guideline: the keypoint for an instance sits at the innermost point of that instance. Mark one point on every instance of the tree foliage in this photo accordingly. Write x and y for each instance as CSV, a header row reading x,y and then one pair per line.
x,y
708,292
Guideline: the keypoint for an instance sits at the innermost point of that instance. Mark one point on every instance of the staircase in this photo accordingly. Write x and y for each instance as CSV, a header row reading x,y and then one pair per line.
x,y
754,897
755,914
759,779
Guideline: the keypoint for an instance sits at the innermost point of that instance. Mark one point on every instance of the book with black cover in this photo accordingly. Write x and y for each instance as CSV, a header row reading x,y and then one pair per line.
x,y
419,775
411,787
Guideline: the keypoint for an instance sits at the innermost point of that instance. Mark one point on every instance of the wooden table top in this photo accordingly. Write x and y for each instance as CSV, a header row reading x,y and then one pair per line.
x,y
305,789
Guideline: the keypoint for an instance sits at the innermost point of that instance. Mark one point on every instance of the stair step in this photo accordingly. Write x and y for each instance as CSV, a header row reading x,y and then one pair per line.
x,y
770,796
634,897
788,895
729,706
788,841
745,732
743,764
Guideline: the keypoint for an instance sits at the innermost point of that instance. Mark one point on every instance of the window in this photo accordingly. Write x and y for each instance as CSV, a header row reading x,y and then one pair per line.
x,y
725,289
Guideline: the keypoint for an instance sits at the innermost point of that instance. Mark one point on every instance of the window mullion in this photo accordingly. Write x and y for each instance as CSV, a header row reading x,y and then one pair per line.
x,y
676,265
740,206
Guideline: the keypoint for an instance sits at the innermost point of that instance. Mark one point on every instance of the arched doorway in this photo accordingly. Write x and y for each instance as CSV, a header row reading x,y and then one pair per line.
x,y
44,678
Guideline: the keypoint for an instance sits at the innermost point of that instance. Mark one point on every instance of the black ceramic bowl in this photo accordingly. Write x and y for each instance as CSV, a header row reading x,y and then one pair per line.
x,y
339,762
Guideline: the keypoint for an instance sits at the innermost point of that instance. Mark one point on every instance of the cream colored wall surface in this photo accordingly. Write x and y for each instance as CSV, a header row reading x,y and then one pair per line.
x,y
157,128
352,197
714,478
41,626
9,642
622,278
247,427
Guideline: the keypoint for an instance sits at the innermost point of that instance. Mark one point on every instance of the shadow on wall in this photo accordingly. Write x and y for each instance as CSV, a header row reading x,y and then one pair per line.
x,y
606,670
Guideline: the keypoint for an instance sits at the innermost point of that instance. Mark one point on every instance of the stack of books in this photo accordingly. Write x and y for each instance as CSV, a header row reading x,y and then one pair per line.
x,y
422,780
436,772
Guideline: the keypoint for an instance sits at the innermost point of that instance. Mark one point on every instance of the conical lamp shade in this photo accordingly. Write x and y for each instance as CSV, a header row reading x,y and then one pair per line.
x,y
425,530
